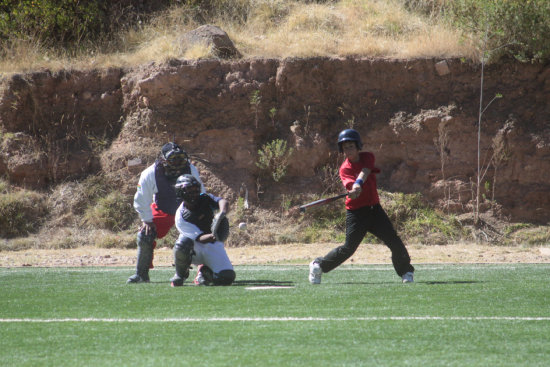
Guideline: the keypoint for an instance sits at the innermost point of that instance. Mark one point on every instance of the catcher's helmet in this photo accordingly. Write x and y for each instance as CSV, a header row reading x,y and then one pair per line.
x,y
174,159
349,135
188,188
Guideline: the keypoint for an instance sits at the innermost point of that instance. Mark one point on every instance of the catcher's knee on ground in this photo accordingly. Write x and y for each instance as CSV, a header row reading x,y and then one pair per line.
x,y
183,255
224,277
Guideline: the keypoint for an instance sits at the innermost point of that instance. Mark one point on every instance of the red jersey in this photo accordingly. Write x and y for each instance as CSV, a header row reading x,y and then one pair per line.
x,y
348,174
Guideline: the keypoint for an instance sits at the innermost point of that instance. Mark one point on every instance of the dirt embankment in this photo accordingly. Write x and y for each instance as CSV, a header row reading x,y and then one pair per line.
x,y
418,116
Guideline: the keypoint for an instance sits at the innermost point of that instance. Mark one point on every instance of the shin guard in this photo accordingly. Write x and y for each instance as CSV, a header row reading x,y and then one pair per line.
x,y
145,244
183,256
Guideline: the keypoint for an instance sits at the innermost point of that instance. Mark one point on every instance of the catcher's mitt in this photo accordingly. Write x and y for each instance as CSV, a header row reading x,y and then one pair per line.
x,y
220,227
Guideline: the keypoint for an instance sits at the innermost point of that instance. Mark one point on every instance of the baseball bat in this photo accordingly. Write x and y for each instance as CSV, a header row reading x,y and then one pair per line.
x,y
321,201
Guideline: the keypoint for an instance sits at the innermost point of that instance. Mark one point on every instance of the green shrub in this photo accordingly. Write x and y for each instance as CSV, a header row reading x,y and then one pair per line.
x,y
415,220
113,212
72,199
274,158
21,213
238,212
323,223
523,26
527,234
52,21
401,207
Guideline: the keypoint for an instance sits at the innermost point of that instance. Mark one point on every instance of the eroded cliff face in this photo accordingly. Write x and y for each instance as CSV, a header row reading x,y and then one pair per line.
x,y
419,117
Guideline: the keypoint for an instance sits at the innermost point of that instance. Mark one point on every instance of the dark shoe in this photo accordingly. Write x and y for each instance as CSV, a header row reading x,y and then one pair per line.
x,y
137,279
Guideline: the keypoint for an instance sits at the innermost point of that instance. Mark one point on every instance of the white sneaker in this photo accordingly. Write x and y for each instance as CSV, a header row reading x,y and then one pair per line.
x,y
315,273
204,275
408,277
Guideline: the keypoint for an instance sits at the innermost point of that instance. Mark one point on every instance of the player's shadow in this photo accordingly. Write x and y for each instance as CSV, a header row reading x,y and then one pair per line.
x,y
242,283
261,282
418,282
363,283
452,282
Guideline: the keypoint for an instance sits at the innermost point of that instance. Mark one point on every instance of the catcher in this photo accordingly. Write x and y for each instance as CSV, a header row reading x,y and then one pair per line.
x,y
201,236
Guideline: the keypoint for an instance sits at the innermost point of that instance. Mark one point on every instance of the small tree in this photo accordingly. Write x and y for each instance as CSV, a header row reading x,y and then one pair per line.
x,y
274,157
255,100
442,144
481,171
500,153
272,113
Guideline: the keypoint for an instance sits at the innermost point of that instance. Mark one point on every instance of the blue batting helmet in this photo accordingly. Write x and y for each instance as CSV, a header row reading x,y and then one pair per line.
x,y
349,135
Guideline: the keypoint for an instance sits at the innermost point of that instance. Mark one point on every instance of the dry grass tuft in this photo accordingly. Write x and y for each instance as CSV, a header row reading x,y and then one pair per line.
x,y
263,28
264,227
354,27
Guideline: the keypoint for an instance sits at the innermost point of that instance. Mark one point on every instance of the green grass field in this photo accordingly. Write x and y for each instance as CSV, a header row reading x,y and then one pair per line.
x,y
454,315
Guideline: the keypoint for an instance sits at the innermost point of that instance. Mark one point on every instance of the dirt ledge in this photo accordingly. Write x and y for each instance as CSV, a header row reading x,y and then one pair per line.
x,y
299,254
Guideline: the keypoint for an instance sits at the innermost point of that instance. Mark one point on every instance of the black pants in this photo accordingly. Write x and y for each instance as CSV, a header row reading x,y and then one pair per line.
x,y
371,219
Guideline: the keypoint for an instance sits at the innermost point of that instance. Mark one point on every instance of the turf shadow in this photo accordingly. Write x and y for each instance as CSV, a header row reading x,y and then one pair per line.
x,y
452,282
261,282
238,283
417,282
362,283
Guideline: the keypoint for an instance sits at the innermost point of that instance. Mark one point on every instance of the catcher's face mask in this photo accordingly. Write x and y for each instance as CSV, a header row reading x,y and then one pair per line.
x,y
188,189
190,195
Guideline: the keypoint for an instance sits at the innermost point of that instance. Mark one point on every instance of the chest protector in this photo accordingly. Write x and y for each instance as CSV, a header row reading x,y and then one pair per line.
x,y
203,214
166,198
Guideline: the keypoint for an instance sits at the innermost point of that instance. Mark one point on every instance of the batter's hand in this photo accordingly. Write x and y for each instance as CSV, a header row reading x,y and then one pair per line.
x,y
355,192
148,228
